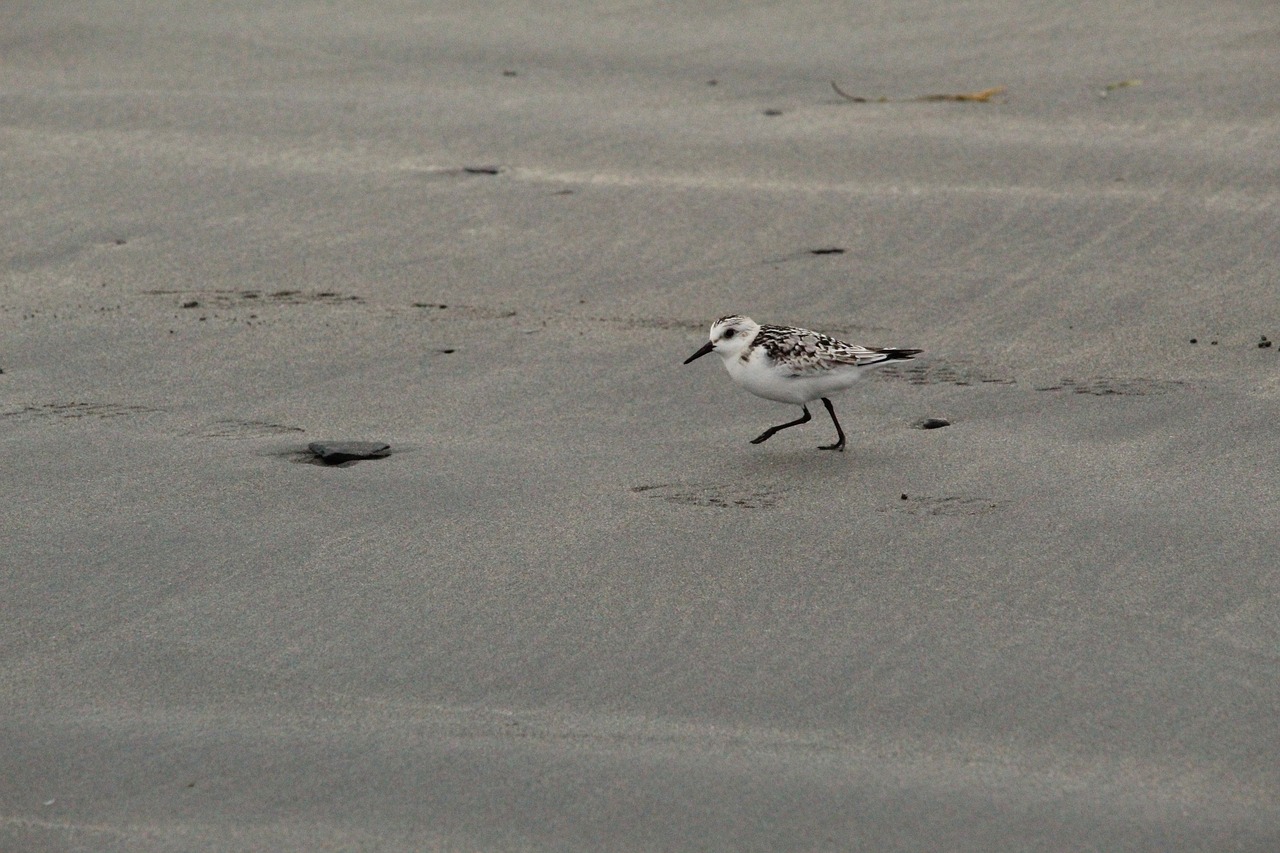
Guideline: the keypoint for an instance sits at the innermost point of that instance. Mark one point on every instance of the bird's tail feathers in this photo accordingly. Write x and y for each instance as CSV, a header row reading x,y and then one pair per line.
x,y
891,353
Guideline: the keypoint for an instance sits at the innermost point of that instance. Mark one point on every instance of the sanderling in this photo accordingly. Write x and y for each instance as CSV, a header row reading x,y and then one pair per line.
x,y
792,365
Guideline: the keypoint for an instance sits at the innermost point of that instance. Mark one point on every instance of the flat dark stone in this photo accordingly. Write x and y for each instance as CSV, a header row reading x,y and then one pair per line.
x,y
933,423
337,452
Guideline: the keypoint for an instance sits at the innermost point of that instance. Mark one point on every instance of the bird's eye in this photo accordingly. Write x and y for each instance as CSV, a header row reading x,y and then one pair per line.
x,y
729,333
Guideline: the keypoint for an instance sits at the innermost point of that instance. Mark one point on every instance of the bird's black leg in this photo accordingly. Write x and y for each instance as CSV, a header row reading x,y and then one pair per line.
x,y
839,445
768,434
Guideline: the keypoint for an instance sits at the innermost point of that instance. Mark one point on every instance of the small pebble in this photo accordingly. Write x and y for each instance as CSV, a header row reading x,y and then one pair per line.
x,y
933,423
1264,343
337,452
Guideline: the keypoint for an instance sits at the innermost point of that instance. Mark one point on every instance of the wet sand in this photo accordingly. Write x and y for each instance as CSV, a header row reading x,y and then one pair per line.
x,y
574,609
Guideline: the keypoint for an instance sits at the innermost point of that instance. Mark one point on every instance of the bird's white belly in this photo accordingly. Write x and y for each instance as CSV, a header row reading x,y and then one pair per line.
x,y
775,382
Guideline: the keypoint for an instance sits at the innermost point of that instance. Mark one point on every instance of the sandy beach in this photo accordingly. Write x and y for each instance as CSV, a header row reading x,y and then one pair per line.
x,y
574,609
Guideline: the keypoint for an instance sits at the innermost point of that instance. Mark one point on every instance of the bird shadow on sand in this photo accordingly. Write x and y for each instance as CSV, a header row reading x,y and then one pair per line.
x,y
807,460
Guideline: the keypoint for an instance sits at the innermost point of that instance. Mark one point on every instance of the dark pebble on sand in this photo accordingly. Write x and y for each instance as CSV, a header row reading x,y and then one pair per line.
x,y
1264,343
337,452
194,303
933,423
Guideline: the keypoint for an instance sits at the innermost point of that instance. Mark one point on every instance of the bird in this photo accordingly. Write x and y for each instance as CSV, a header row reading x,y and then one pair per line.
x,y
793,365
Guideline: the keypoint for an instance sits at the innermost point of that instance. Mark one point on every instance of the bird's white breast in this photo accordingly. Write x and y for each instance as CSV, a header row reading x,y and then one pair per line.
x,y
772,380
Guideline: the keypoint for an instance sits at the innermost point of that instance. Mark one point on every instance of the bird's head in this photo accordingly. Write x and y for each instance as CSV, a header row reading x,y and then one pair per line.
x,y
729,337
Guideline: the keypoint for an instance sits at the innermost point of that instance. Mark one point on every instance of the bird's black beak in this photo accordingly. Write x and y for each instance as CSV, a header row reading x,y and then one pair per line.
x,y
706,348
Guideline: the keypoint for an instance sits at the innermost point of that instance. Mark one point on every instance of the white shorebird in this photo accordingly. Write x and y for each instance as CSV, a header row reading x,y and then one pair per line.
x,y
792,365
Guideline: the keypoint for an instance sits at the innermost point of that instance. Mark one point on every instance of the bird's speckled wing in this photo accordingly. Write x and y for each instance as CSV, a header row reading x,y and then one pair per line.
x,y
806,353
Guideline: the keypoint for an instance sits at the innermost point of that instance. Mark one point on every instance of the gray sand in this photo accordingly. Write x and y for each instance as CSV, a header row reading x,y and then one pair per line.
x,y
575,609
